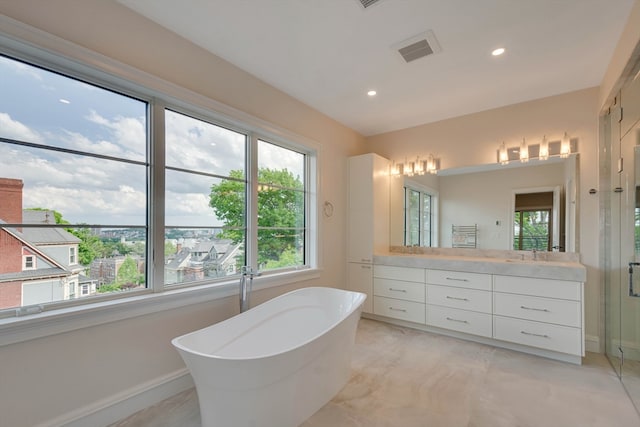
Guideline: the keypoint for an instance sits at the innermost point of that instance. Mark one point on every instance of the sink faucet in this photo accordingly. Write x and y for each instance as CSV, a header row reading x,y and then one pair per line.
x,y
245,289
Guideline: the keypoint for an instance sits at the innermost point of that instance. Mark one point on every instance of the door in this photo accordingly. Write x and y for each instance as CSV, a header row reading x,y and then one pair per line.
x,y
630,256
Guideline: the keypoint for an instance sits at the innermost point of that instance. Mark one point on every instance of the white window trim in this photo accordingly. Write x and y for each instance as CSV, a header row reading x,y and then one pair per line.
x,y
31,44
75,256
33,262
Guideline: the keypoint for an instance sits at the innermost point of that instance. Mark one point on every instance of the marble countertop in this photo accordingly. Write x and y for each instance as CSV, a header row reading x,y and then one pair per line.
x,y
561,270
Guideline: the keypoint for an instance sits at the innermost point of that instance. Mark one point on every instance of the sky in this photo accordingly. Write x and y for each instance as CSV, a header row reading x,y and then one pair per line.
x,y
45,108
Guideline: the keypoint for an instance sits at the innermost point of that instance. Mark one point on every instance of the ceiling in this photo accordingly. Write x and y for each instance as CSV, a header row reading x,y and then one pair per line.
x,y
329,53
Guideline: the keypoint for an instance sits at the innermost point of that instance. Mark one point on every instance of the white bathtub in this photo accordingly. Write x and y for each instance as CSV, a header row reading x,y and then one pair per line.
x,y
276,364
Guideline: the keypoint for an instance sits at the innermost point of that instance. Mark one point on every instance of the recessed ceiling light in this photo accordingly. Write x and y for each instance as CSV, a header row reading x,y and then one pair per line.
x,y
372,93
497,52
64,101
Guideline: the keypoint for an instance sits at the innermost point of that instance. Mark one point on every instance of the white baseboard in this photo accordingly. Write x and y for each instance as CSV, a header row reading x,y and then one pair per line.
x,y
114,408
592,343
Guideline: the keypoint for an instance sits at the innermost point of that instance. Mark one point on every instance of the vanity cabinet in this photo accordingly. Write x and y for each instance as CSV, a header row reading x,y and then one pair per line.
x,y
368,220
541,313
531,312
399,293
460,301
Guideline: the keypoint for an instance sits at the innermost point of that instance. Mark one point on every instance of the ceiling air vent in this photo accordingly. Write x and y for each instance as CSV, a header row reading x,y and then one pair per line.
x,y
368,3
419,46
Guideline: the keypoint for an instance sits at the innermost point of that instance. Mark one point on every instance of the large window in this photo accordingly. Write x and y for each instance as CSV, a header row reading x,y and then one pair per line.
x,y
418,217
83,203
73,179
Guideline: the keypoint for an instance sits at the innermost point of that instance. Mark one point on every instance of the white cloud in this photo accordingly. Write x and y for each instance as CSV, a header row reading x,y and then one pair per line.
x,y
13,129
129,135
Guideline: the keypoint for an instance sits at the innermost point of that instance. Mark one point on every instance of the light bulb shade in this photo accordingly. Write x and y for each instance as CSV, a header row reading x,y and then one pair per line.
x,y
409,168
543,154
565,146
503,156
419,167
524,152
432,167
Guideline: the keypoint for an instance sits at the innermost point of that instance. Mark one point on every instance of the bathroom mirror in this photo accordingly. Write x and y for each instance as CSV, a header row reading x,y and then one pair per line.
x,y
485,196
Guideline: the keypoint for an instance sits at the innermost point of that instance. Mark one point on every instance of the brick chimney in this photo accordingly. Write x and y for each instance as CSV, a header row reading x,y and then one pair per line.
x,y
11,200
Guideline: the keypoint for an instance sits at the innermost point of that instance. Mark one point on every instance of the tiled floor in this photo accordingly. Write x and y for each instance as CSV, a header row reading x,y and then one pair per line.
x,y
408,378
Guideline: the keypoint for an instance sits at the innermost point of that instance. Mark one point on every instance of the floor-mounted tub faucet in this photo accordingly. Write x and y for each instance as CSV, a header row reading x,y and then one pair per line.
x,y
245,288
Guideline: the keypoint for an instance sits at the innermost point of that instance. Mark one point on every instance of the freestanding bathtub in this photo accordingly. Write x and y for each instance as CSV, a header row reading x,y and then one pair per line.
x,y
276,364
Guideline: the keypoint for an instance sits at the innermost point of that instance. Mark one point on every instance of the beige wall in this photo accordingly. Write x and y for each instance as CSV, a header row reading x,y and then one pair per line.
x,y
46,378
473,140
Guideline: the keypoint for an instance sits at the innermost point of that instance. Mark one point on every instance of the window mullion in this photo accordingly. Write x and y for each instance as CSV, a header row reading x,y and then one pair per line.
x,y
156,191
251,213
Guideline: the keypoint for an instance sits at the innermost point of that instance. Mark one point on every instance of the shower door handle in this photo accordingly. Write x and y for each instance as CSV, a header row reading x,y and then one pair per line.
x,y
631,292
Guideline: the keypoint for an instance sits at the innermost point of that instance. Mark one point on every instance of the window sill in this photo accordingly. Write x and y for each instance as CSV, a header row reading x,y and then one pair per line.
x,y
18,329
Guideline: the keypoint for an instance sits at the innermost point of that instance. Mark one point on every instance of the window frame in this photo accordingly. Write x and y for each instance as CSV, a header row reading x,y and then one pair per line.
x,y
29,258
24,43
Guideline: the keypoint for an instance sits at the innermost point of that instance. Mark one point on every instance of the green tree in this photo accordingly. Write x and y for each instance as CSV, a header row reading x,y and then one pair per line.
x,y
280,211
169,248
289,257
128,274
90,246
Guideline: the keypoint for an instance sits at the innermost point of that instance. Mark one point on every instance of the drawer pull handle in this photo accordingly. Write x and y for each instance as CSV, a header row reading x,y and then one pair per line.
x,y
534,309
398,309
398,290
451,319
456,279
457,298
534,335
365,260
368,267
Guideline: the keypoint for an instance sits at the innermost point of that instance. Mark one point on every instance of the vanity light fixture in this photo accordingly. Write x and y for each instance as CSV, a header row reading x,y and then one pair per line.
x,y
546,149
524,151
497,52
418,167
372,93
543,153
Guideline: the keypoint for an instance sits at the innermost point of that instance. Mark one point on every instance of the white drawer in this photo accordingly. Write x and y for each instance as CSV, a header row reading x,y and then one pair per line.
x,y
410,291
550,288
399,309
563,339
466,299
469,322
407,274
560,312
460,279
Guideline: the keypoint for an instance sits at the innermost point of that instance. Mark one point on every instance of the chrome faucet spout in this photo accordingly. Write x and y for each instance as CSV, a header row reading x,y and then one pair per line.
x,y
245,287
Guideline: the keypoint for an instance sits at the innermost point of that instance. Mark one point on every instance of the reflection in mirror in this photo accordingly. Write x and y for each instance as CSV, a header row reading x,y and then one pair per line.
x,y
536,224
485,195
